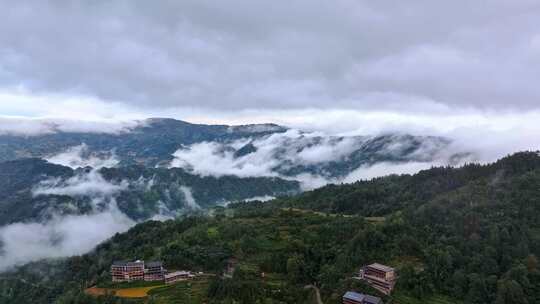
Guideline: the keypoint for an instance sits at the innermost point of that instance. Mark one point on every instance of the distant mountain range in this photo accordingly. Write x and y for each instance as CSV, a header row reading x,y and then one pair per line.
x,y
248,150
150,143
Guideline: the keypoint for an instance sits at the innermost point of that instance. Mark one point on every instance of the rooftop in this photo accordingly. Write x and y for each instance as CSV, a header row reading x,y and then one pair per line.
x,y
177,273
154,264
351,295
362,298
381,267
125,263
372,300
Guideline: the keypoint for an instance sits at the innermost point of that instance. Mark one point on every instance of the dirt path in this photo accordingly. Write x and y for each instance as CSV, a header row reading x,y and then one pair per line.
x,y
317,293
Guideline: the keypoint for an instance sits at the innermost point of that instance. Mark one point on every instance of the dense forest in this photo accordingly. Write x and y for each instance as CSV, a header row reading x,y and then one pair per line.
x,y
456,235
142,191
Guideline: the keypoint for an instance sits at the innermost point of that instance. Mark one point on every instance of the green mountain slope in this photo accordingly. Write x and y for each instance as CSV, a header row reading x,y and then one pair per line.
x,y
34,190
466,235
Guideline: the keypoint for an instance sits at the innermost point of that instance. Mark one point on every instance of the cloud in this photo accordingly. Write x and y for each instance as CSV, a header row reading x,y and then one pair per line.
x,y
164,213
66,235
90,184
264,198
387,168
309,157
268,155
59,237
189,199
80,157
262,55
31,127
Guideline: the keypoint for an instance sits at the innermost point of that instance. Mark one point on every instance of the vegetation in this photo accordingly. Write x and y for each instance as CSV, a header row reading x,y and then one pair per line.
x,y
164,136
145,191
469,235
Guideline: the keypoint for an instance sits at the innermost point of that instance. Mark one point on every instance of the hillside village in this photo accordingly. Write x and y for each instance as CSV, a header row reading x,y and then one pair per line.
x,y
380,277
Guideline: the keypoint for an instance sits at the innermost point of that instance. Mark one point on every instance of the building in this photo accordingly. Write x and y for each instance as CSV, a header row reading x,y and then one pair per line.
x,y
154,271
127,271
177,276
380,277
137,271
230,268
351,297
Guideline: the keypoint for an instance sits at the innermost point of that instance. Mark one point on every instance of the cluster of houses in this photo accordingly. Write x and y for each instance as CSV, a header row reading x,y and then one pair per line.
x,y
151,271
381,277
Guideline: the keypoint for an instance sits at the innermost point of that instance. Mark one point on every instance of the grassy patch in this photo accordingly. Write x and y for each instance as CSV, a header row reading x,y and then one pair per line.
x,y
401,298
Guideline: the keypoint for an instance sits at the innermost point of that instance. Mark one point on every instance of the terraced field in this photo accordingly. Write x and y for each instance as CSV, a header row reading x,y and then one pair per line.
x,y
181,293
437,299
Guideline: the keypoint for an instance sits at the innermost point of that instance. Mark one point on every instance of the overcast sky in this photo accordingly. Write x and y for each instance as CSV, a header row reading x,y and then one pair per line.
x,y
251,61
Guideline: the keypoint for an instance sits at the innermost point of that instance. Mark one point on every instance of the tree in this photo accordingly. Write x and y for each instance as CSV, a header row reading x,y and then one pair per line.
x,y
510,292
295,268
477,290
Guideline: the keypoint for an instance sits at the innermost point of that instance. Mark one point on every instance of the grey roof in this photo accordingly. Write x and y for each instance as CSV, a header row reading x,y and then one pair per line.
x,y
351,295
362,298
372,300
124,263
381,267
154,264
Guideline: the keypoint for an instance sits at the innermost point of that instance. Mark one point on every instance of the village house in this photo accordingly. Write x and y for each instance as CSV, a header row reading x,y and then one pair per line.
x,y
352,297
122,271
127,271
154,271
177,276
230,267
381,277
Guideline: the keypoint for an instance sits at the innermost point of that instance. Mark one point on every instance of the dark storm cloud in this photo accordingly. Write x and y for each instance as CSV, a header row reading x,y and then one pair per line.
x,y
411,55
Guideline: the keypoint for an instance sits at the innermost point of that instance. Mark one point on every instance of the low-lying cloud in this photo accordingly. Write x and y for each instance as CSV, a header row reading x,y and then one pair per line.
x,y
24,126
264,156
189,199
66,235
90,184
80,157
386,168
59,237
308,157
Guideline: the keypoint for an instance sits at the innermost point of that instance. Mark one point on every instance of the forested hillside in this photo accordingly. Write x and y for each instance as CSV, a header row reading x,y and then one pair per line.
x,y
149,142
463,235
35,190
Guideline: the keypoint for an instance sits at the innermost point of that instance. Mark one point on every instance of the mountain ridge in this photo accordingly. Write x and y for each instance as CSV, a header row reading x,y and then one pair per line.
x,y
159,141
